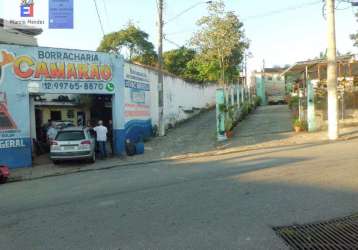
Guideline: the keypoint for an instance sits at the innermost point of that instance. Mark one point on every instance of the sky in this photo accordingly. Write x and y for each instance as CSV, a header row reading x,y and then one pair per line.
x,y
280,32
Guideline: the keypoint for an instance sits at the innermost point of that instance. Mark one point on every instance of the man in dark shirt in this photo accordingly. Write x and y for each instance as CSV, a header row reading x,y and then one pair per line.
x,y
110,135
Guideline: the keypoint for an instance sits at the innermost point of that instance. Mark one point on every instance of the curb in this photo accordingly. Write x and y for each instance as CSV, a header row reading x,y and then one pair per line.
x,y
18,179
180,157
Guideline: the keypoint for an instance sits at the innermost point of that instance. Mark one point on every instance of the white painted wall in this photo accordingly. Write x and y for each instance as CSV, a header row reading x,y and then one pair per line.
x,y
179,96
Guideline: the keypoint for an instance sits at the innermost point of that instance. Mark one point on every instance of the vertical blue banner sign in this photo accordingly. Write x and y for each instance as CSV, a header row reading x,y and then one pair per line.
x,y
60,14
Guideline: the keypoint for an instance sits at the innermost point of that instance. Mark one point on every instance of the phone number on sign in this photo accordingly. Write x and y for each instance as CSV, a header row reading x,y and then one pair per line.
x,y
73,85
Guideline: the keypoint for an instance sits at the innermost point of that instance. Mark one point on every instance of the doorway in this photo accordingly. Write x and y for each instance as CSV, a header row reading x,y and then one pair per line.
x,y
65,111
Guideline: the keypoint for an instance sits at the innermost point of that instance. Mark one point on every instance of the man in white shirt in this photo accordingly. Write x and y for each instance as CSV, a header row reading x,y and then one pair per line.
x,y
101,133
51,132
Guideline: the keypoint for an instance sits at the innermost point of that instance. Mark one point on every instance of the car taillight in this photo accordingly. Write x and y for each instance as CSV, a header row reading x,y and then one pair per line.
x,y
87,142
54,143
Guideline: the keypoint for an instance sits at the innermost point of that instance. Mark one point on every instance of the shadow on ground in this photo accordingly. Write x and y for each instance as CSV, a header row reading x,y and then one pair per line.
x,y
223,202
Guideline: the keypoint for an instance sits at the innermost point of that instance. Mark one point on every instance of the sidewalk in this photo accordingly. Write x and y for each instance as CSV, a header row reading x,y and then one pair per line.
x,y
267,127
194,135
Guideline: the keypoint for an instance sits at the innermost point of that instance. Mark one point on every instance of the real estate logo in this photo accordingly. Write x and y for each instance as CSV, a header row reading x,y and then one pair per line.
x,y
27,8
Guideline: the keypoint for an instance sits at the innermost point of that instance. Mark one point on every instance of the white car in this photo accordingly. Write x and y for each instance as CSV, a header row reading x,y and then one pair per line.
x,y
63,124
73,143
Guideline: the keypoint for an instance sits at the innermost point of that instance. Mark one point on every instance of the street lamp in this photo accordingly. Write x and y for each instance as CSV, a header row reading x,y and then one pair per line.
x,y
161,127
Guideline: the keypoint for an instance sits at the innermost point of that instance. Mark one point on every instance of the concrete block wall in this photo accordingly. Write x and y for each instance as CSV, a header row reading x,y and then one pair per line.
x,y
182,99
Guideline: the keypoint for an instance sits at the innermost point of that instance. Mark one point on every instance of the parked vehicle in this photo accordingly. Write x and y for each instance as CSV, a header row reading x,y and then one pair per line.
x,y
4,173
63,124
73,143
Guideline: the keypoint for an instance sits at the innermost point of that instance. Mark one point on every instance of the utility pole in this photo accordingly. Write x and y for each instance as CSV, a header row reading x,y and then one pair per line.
x,y
246,82
332,72
263,89
161,123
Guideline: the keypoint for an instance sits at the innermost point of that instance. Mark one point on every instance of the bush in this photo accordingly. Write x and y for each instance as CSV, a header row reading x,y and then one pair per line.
x,y
257,101
245,109
300,124
293,102
228,124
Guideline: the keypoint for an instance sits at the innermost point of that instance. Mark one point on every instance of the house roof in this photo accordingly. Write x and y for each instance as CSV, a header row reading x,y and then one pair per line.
x,y
274,70
300,67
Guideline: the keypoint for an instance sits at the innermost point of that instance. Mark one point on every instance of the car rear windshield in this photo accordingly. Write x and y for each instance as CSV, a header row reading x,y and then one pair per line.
x,y
70,136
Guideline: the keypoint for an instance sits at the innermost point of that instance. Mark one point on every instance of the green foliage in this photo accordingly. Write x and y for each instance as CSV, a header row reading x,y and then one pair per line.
x,y
300,124
228,124
293,102
354,37
132,40
176,61
203,71
229,113
245,109
257,101
220,44
223,108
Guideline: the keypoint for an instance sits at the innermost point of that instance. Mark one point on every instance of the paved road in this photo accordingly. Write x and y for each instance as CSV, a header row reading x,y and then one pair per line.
x,y
226,202
265,124
194,135
267,120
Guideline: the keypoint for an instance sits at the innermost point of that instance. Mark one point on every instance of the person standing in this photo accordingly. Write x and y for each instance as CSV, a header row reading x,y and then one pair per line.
x,y
51,132
101,134
110,135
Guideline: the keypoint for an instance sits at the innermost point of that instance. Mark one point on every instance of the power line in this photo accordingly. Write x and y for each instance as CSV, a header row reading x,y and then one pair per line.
x,y
336,7
105,7
273,12
344,8
186,10
270,13
174,43
280,11
99,17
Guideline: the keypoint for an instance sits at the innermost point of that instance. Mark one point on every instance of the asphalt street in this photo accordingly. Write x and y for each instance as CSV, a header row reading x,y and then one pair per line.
x,y
223,202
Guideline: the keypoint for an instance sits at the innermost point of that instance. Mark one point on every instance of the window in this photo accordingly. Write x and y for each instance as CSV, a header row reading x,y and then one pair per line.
x,y
56,115
70,113
70,136
269,78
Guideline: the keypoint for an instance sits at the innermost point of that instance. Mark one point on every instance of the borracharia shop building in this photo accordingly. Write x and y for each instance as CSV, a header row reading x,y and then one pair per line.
x,y
28,71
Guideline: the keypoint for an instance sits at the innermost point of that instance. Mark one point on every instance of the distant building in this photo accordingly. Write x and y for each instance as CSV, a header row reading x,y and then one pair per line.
x,y
270,85
20,35
347,69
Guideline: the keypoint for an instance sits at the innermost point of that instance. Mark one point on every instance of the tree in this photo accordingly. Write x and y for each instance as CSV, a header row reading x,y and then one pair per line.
x,y
133,41
176,61
220,44
354,37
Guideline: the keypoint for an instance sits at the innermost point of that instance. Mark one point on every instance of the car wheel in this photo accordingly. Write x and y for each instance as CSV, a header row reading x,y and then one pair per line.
x,y
93,158
56,162
3,179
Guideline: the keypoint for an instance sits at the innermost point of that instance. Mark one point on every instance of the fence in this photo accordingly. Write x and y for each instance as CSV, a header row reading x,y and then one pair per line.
x,y
309,92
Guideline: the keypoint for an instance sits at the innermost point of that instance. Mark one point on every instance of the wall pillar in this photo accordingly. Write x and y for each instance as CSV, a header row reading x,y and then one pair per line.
x,y
33,134
238,94
220,115
242,93
232,96
311,117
